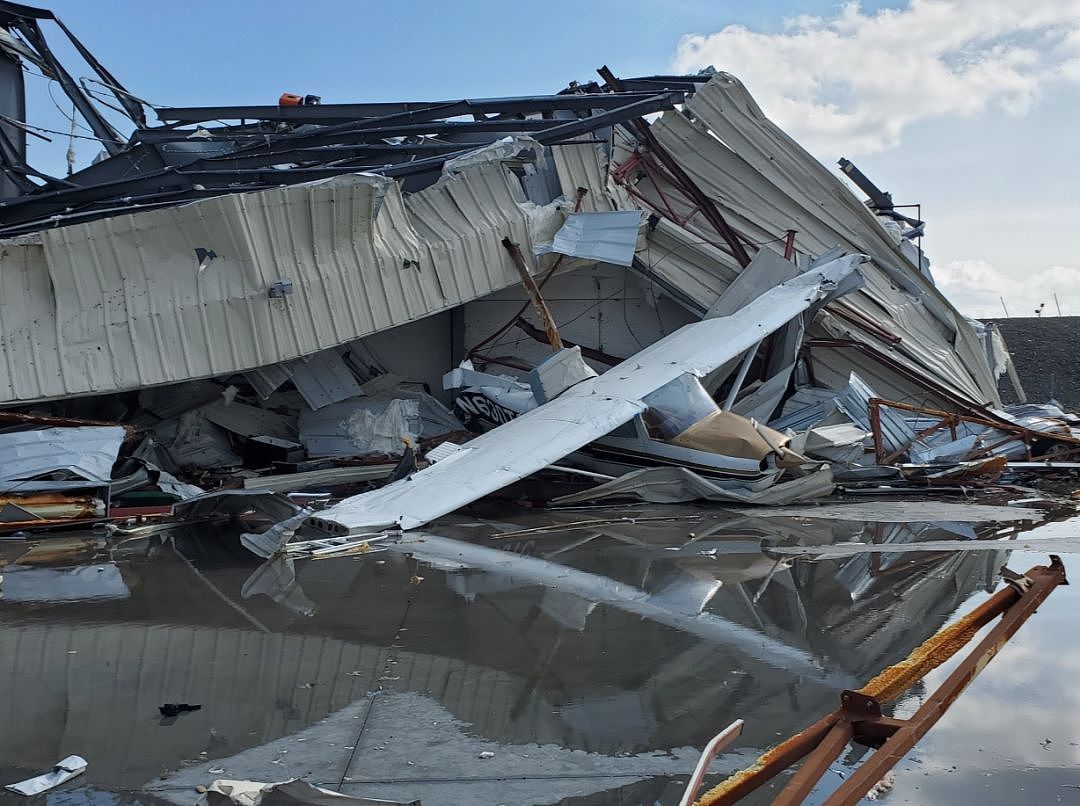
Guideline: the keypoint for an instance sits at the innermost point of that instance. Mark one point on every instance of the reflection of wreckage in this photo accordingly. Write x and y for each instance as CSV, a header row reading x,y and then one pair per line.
x,y
288,295
620,656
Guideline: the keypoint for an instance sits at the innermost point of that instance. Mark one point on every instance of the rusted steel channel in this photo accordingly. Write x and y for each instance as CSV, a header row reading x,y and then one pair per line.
x,y
859,717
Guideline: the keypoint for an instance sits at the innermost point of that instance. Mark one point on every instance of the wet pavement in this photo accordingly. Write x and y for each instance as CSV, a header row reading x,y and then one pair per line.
x,y
574,663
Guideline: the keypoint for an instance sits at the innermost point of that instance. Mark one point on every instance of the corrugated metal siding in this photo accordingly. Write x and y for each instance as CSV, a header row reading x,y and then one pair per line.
x,y
728,110
118,303
761,209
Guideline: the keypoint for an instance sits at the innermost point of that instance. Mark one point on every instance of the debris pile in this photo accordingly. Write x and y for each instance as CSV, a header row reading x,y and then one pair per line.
x,y
321,297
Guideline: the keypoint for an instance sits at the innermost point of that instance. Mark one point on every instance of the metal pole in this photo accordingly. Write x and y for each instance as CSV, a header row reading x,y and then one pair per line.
x,y
744,367
1038,587
534,294
715,745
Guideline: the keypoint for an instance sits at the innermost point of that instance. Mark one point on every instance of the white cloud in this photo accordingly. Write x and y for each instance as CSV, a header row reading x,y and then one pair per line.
x,y
852,82
977,288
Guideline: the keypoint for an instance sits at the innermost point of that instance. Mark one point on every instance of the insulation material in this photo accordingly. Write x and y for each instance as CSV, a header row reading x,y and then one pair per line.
x,y
378,424
362,427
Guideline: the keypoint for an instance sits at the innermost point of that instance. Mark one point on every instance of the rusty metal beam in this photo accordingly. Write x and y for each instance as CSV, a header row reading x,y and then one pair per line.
x,y
533,290
1039,583
860,717
705,204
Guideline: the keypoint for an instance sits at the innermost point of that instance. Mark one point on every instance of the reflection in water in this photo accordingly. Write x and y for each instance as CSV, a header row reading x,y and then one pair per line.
x,y
620,638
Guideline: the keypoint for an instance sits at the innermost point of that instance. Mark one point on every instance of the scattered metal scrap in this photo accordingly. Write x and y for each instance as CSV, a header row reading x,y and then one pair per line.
x,y
64,771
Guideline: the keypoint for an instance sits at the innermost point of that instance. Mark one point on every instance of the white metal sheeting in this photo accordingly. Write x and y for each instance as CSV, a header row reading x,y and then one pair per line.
x,y
606,237
120,303
584,412
764,184
85,453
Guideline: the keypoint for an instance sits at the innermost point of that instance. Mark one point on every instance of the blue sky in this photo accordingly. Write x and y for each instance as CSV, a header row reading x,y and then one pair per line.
x,y
968,107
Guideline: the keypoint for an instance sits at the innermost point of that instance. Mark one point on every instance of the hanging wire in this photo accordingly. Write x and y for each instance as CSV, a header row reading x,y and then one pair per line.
x,y
71,144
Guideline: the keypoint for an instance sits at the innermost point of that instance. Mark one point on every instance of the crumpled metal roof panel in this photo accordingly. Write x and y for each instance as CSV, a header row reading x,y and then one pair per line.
x,y
127,302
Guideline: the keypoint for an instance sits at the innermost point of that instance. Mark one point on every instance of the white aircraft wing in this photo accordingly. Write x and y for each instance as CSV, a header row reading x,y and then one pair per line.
x,y
583,413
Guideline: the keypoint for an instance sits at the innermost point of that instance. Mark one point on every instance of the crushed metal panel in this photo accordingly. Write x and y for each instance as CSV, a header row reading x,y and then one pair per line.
x,y
266,380
583,413
678,259
585,165
669,485
250,421
756,206
607,237
322,379
766,270
191,441
87,453
119,303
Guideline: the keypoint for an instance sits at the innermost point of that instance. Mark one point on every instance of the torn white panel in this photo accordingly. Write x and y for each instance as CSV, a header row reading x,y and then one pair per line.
x,y
507,148
85,453
559,372
606,237
670,485
465,375
583,413
323,378
842,443
168,483
64,771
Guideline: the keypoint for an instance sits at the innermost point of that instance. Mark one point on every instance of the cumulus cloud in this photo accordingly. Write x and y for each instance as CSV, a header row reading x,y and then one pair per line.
x,y
977,288
852,82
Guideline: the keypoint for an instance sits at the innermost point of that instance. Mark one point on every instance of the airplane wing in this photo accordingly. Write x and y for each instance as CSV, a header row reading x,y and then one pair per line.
x,y
581,414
